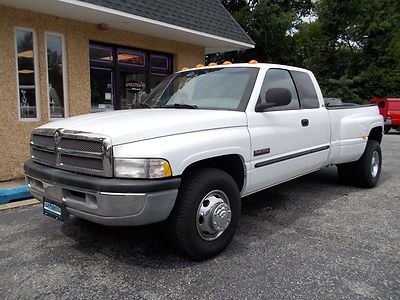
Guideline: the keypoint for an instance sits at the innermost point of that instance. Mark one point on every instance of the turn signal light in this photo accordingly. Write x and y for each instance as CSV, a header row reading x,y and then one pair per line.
x,y
199,65
253,61
227,62
212,64
184,68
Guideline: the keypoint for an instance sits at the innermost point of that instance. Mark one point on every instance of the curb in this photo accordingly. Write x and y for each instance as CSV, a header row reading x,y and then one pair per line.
x,y
14,193
18,204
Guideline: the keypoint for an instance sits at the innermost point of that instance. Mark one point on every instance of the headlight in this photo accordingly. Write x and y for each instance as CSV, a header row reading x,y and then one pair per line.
x,y
141,168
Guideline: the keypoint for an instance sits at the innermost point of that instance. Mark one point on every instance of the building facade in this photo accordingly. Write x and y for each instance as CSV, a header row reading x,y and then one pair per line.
x,y
64,58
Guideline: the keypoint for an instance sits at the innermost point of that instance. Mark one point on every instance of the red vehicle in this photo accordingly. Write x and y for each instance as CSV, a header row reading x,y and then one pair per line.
x,y
389,108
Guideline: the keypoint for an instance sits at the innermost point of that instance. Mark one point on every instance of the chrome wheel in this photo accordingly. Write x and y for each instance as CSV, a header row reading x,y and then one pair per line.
x,y
375,164
213,215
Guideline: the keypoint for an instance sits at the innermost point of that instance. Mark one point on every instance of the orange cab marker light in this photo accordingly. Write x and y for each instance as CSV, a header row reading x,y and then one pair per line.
x,y
212,64
253,61
199,65
184,68
227,62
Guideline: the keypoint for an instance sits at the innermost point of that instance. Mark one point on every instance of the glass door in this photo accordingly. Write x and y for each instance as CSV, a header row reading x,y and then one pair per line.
x,y
132,89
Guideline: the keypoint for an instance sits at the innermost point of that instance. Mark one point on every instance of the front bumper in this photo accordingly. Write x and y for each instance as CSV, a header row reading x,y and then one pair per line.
x,y
107,201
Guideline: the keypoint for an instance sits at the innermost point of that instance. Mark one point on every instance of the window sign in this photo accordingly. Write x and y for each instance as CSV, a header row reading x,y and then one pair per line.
x,y
56,77
27,74
100,54
131,58
159,63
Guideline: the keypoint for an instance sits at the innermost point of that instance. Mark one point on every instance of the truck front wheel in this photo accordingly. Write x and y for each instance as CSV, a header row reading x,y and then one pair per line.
x,y
206,214
366,171
386,129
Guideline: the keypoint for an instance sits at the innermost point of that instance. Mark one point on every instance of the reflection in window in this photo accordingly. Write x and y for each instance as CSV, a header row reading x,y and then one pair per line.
x,y
101,86
158,62
26,74
55,75
100,54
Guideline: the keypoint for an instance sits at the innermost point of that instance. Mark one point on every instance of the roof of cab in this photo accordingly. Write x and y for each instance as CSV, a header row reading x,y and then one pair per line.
x,y
248,65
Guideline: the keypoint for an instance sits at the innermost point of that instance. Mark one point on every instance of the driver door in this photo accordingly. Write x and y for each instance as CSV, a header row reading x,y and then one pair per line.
x,y
280,136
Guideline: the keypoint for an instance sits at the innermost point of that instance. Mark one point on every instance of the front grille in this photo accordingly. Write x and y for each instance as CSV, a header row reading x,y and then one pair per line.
x,y
81,145
43,140
82,162
73,151
46,157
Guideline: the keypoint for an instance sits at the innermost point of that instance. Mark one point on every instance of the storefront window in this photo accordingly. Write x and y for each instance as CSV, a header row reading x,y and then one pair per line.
x,y
100,54
121,78
55,75
27,74
159,63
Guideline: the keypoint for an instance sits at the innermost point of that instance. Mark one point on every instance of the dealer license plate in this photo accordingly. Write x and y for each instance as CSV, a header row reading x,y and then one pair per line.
x,y
54,210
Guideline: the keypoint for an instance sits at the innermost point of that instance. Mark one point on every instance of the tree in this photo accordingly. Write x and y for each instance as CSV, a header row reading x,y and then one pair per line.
x,y
353,46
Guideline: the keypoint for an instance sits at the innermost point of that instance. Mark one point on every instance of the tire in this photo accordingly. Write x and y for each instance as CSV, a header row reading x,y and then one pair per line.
x,y
386,129
366,171
186,223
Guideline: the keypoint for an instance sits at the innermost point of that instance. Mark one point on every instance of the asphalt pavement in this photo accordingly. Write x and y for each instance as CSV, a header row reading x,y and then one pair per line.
x,y
310,238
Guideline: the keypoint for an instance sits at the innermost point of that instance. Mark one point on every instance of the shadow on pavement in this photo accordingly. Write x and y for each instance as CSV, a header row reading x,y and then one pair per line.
x,y
263,213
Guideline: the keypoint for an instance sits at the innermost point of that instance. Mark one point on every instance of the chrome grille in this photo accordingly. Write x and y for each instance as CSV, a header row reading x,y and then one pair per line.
x,y
73,151
82,162
81,145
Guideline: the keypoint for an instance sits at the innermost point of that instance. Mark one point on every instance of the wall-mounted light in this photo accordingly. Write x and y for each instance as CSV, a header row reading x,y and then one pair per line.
x,y
103,26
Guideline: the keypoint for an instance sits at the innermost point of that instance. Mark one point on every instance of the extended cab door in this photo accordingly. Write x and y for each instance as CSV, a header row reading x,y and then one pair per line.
x,y
291,140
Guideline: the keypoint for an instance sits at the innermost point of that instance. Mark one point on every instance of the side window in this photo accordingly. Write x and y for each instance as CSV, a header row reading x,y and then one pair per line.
x,y
305,87
276,78
381,104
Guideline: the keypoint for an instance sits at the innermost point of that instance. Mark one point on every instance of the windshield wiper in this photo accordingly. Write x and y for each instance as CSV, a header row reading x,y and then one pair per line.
x,y
179,105
143,105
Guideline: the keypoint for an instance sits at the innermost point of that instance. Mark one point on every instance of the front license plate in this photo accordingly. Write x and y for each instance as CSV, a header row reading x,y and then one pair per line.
x,y
54,210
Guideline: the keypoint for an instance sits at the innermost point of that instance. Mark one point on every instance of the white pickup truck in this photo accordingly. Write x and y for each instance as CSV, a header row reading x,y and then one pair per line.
x,y
202,140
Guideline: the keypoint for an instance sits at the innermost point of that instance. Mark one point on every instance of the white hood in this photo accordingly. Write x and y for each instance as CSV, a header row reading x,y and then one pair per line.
x,y
126,126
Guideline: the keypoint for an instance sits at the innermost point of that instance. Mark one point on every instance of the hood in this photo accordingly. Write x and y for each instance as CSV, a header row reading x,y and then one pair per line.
x,y
126,126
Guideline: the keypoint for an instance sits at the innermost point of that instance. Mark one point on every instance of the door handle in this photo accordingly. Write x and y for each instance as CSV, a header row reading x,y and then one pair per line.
x,y
305,122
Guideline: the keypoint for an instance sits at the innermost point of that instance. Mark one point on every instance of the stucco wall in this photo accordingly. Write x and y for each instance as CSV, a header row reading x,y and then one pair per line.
x,y
14,134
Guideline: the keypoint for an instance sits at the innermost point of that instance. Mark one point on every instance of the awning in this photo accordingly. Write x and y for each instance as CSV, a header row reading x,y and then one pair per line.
x,y
96,14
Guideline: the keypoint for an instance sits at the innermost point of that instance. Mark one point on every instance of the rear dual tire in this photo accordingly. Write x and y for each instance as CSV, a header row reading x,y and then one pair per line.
x,y
366,171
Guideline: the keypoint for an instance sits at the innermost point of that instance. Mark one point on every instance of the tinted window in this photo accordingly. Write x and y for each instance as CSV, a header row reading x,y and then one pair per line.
x,y
305,87
276,78
100,54
381,104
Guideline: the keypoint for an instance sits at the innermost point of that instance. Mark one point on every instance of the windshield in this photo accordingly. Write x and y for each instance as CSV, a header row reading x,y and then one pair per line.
x,y
216,88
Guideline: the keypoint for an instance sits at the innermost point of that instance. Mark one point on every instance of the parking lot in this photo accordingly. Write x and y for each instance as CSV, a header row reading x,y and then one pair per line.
x,y
310,238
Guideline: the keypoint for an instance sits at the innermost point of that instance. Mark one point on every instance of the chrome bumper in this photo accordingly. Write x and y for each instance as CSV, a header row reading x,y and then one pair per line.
x,y
103,207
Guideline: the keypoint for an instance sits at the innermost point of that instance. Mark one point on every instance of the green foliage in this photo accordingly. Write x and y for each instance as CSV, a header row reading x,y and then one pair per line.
x,y
353,46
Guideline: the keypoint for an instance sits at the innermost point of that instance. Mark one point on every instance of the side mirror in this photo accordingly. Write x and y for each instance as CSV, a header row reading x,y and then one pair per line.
x,y
275,97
